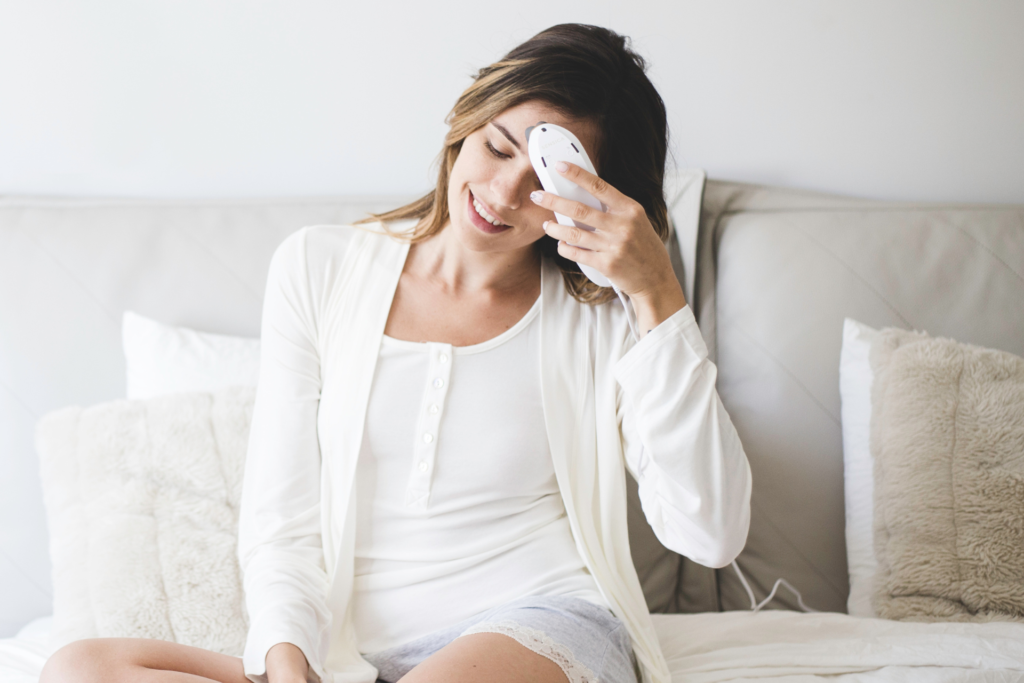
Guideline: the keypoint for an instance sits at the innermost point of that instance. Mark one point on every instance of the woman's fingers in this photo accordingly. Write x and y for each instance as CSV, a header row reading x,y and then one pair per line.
x,y
577,211
579,255
614,200
607,194
573,235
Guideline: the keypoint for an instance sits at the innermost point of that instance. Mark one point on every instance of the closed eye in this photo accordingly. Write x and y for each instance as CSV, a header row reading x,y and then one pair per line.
x,y
491,148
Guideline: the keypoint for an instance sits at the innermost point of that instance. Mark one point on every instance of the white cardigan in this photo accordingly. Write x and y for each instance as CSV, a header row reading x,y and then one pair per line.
x,y
328,297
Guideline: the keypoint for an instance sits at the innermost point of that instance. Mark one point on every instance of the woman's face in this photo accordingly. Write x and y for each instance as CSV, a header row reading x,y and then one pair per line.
x,y
493,176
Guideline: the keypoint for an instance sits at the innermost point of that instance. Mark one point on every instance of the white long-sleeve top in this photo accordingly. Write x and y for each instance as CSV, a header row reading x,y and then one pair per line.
x,y
458,508
608,401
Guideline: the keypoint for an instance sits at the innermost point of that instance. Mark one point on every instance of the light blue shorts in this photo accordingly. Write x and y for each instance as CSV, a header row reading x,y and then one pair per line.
x,y
588,642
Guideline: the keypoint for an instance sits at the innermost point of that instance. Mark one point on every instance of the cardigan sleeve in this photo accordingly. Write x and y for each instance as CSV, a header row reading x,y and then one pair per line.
x,y
681,446
280,549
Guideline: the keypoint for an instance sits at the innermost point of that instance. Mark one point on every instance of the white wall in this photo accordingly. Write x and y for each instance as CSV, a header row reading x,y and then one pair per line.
x,y
907,99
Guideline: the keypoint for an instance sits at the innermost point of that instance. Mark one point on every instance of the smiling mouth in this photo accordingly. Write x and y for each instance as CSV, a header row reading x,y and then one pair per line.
x,y
482,212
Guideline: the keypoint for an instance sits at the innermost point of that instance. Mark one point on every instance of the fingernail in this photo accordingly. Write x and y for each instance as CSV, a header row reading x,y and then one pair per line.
x,y
561,166
546,225
537,196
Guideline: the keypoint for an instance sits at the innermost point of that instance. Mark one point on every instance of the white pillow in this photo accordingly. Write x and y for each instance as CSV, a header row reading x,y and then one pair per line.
x,y
162,359
855,379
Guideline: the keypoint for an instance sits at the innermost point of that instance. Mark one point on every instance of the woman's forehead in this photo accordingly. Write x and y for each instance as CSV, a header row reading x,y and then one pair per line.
x,y
520,117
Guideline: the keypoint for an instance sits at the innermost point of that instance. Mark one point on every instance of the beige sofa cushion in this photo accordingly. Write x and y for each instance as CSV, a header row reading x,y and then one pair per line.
x,y
947,436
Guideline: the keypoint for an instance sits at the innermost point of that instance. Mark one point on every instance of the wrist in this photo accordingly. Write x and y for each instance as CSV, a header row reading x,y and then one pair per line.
x,y
656,306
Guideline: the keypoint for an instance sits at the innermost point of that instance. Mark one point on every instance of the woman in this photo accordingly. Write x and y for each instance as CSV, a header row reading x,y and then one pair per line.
x,y
435,487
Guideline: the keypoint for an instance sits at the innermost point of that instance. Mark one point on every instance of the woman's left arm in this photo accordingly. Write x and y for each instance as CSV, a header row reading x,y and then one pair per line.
x,y
680,444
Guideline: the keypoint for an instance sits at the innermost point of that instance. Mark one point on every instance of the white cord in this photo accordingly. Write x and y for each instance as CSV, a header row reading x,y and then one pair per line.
x,y
756,606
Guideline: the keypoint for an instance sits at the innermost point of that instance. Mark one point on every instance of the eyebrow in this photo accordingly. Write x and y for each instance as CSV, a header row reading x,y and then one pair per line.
x,y
504,131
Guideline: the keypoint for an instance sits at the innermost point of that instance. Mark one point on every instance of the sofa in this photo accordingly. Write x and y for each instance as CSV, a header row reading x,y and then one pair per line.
x,y
771,273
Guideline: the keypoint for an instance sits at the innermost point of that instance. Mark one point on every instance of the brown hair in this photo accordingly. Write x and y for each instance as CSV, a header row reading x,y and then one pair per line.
x,y
583,72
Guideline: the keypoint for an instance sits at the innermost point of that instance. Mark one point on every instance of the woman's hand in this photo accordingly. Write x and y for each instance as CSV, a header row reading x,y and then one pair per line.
x,y
286,664
624,246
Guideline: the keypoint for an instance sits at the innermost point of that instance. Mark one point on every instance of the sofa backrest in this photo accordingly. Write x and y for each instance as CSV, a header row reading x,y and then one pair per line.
x,y
777,271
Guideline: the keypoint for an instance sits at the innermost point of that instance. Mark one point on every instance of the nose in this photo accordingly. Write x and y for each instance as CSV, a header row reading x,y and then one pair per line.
x,y
511,187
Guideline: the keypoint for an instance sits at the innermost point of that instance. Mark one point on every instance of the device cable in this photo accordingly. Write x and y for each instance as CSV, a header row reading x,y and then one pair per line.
x,y
756,606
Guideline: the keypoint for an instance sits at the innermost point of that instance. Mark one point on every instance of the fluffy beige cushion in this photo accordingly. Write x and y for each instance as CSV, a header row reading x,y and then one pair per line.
x,y
947,436
142,499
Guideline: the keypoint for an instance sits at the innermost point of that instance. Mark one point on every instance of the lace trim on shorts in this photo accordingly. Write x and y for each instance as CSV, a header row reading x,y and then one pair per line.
x,y
542,644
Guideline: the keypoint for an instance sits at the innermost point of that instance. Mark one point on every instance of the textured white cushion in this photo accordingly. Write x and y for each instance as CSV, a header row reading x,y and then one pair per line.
x,y
162,359
142,499
855,380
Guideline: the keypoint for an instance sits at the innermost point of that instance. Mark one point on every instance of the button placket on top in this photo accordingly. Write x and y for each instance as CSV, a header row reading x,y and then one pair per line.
x,y
428,424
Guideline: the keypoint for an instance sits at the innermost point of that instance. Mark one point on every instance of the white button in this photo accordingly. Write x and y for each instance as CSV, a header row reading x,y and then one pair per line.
x,y
433,409
443,358
424,466
427,438
438,382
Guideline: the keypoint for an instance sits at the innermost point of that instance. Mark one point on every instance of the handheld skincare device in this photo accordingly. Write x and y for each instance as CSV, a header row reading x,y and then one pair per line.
x,y
548,144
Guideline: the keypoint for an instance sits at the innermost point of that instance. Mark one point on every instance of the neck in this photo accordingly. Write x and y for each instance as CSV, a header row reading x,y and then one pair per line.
x,y
444,261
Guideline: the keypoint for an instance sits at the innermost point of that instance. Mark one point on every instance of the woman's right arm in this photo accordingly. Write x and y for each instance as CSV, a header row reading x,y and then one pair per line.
x,y
280,548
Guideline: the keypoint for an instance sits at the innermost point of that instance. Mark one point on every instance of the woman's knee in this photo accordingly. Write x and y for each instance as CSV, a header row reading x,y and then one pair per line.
x,y
84,661
489,657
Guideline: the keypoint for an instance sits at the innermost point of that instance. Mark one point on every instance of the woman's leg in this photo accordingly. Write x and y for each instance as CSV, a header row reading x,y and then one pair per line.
x,y
485,658
138,660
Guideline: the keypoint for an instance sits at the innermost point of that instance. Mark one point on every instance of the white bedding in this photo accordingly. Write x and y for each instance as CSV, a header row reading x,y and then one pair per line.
x,y
783,647
22,657
795,647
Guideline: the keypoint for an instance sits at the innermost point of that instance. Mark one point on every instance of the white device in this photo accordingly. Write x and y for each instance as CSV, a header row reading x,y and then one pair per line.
x,y
548,144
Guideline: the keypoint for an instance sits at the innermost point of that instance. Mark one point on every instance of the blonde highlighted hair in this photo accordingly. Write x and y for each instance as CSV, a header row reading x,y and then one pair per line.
x,y
583,72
